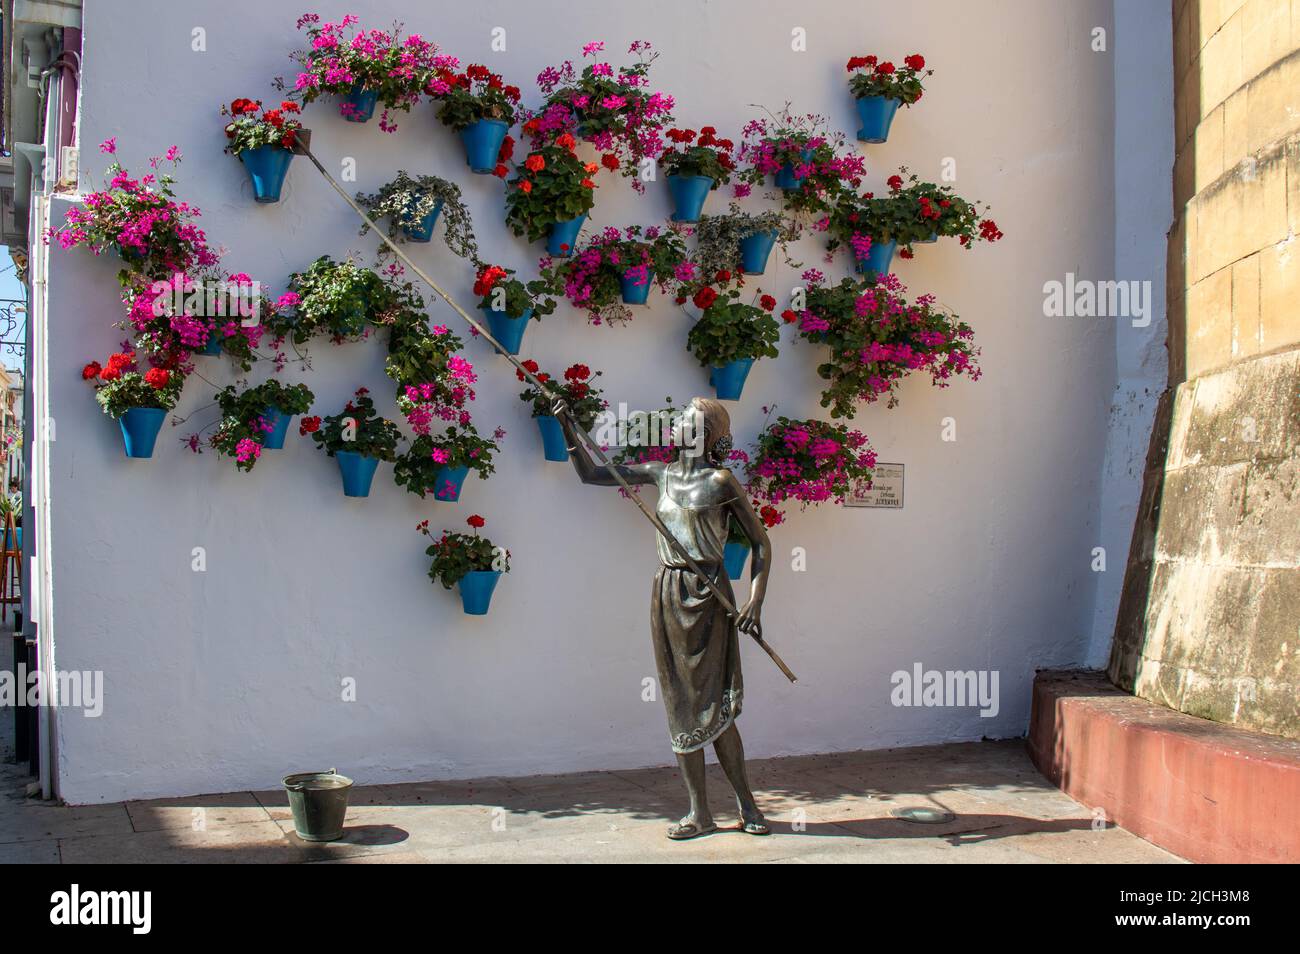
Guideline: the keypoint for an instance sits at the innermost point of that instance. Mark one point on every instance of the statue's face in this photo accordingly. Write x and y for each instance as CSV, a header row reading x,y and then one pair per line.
x,y
688,432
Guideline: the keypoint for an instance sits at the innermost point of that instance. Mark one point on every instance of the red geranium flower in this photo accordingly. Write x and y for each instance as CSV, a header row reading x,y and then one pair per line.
x,y
308,425
790,316
895,182
476,521
532,367
915,62
501,171
157,378
767,302
609,161
705,297
525,186
535,163
91,371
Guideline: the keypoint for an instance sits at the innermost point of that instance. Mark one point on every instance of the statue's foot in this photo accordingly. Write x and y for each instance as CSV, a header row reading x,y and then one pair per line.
x,y
691,827
752,821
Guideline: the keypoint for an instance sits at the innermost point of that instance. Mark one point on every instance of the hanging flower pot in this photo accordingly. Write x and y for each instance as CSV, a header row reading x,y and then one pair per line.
x,y
755,250
476,588
267,166
929,239
734,558
562,237
279,422
358,471
689,193
636,290
212,347
876,113
448,482
785,177
140,427
554,446
878,258
880,87
483,141
422,231
507,329
729,380
358,104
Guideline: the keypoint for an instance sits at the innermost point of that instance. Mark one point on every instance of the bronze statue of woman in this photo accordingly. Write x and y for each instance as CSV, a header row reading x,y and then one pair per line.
x,y
696,645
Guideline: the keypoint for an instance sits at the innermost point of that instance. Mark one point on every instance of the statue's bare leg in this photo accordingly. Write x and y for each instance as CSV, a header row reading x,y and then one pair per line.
x,y
731,753
700,819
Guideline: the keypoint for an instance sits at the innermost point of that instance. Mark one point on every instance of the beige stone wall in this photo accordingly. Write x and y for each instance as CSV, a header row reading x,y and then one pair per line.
x,y
1233,273
1209,619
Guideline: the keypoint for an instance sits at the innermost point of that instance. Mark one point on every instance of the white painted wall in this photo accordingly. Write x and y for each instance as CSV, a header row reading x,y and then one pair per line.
x,y
1144,213
227,679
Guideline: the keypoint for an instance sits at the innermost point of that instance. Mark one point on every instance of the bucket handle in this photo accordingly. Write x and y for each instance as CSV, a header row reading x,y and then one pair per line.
x,y
298,786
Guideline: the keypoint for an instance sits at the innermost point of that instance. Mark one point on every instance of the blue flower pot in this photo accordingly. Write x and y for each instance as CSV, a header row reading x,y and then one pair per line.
x,y
729,380
140,427
928,240
876,113
10,540
267,166
689,193
634,294
422,231
362,102
453,476
563,237
507,330
483,141
476,588
554,445
279,422
754,252
358,471
734,558
212,347
878,259
785,178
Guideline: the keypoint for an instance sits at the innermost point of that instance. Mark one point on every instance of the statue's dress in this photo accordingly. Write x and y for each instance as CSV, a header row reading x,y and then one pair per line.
x,y
696,647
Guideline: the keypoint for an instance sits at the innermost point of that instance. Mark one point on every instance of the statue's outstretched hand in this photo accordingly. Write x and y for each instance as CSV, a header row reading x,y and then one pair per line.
x,y
560,409
749,621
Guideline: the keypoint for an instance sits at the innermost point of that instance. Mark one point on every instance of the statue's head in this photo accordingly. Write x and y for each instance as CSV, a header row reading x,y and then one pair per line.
x,y
705,427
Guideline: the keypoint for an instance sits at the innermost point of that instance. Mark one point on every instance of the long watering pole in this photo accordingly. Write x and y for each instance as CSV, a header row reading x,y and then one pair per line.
x,y
302,147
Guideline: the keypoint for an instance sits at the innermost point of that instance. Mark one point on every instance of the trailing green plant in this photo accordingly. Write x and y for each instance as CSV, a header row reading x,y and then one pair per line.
x,y
358,428
406,201
718,238
459,446
551,185
473,95
578,391
339,298
731,330
120,386
499,291
872,76
456,554
592,278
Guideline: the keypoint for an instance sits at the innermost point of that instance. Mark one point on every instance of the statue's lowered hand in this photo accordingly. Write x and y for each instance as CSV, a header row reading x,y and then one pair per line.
x,y
749,622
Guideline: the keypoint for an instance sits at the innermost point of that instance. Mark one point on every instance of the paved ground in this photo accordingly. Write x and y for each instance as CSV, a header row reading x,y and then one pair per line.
x,y
825,808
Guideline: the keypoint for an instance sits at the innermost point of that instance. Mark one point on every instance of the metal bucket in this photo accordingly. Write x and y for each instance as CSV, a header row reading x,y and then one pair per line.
x,y
319,801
